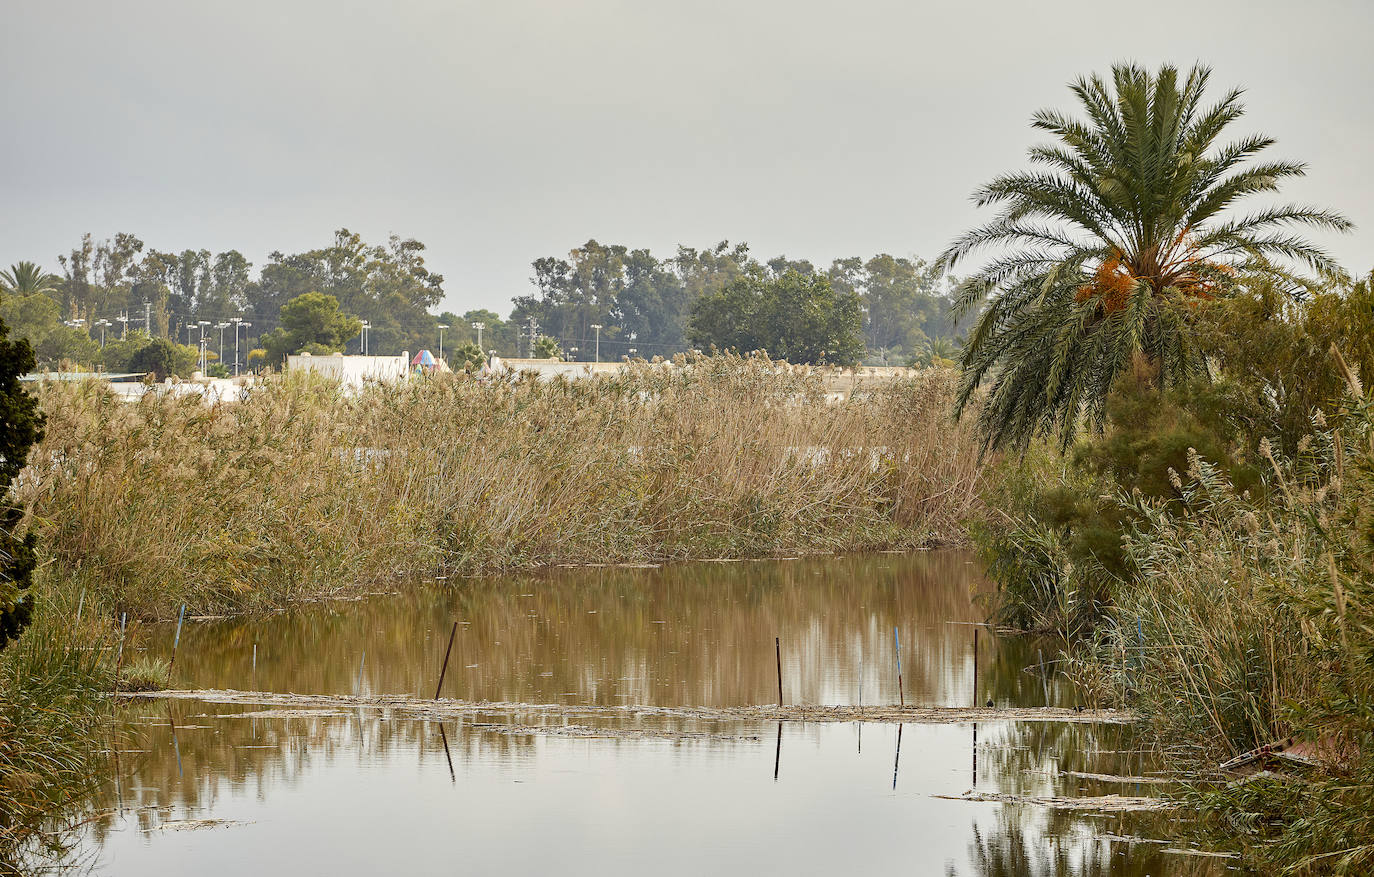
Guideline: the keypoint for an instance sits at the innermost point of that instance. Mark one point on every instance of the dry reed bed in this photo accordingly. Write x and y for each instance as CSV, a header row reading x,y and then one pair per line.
x,y
306,490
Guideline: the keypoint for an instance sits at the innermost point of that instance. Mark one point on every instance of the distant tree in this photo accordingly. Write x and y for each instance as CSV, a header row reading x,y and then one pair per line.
x,y
23,427
31,316
310,320
26,278
795,317
467,357
387,285
546,347
162,359
256,359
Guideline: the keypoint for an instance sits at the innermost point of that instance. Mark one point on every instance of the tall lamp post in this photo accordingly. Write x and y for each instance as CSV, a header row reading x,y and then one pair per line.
x,y
221,327
479,326
202,324
238,322
597,327
442,327
102,323
366,325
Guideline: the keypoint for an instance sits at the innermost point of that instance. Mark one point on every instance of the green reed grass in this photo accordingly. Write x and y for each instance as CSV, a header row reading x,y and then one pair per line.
x,y
54,712
1252,621
306,490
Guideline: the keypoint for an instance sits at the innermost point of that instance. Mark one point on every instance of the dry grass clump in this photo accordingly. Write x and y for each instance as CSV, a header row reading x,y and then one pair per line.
x,y
307,490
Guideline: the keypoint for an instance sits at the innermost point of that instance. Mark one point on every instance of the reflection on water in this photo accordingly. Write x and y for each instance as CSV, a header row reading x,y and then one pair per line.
x,y
344,792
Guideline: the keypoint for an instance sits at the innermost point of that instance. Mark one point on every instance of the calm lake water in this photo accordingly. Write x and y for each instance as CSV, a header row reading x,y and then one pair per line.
x,y
358,792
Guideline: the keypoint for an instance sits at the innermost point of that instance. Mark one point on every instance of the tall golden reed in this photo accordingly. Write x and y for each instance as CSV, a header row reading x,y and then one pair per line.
x,y
306,490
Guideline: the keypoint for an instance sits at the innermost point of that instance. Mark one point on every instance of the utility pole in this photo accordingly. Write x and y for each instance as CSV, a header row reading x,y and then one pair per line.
x,y
479,326
442,327
597,327
123,321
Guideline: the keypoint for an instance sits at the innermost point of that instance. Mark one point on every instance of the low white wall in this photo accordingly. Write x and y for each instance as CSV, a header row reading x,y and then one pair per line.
x,y
353,370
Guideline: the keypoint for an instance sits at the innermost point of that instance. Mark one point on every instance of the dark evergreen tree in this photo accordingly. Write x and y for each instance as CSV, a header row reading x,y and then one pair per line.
x,y
21,425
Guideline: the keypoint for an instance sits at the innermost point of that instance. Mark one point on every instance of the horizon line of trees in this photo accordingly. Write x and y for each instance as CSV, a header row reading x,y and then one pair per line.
x,y
626,302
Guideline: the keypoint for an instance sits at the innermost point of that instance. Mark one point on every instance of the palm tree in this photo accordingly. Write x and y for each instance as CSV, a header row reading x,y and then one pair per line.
x,y
1104,247
26,278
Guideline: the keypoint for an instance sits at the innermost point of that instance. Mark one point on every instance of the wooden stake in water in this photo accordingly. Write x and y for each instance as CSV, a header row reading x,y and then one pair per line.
x,y
444,669
358,685
897,644
255,666
176,641
777,645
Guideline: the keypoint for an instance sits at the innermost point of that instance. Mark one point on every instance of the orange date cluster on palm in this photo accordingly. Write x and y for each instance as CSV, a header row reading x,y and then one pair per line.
x,y
1115,280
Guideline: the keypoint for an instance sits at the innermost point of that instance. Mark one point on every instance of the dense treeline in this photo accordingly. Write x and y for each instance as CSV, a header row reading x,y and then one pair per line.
x,y
903,306
113,298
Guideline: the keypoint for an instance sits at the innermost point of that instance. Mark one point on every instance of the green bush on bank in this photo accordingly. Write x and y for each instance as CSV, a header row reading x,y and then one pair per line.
x,y
1209,560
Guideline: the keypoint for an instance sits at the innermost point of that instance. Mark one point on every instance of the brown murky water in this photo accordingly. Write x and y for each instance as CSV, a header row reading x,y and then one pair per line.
x,y
219,789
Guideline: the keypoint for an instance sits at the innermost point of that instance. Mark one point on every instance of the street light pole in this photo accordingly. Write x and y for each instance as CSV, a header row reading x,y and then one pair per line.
x,y
237,321
221,327
202,324
597,327
479,326
442,327
148,320
102,323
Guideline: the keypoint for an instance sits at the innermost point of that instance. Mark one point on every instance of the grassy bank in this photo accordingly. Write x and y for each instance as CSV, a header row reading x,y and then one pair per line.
x,y
53,714
1234,607
305,490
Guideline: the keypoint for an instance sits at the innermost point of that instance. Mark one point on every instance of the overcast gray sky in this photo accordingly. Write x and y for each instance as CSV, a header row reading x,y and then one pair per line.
x,y
499,132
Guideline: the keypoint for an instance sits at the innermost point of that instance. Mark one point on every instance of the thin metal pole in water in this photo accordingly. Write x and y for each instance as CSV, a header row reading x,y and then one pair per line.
x,y
255,666
896,762
976,702
453,778
176,641
358,683
777,644
897,644
1044,675
861,681
975,755
119,657
777,754
444,669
